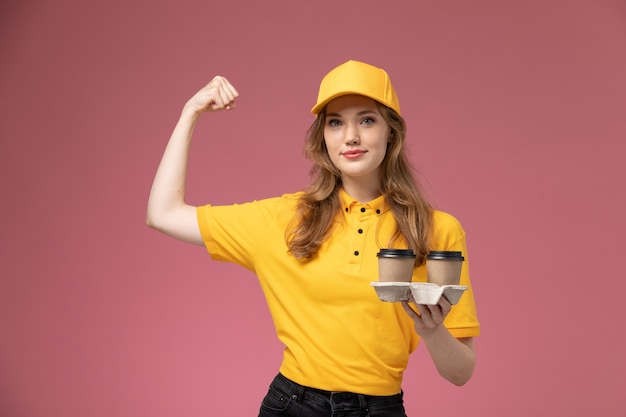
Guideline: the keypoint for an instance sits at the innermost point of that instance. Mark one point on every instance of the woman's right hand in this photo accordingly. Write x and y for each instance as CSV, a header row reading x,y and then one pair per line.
x,y
219,94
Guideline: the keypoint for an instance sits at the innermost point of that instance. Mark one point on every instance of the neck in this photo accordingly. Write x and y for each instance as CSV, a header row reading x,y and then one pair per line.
x,y
361,189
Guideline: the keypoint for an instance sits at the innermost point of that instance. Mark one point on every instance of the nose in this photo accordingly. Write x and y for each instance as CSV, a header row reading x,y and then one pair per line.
x,y
352,135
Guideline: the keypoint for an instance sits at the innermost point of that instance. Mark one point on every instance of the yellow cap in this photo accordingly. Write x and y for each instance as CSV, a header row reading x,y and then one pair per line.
x,y
354,77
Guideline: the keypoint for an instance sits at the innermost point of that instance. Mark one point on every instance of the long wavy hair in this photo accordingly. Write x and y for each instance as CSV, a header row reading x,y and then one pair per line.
x,y
319,204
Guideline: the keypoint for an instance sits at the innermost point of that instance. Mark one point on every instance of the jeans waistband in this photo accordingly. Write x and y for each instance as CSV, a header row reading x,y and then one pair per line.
x,y
304,392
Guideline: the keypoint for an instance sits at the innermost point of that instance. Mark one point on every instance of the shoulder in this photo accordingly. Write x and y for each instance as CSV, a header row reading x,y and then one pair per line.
x,y
269,204
276,208
252,215
291,198
446,228
444,220
285,201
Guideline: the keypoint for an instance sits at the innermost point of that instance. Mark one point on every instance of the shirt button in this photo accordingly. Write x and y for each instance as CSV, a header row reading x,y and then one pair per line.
x,y
377,211
360,231
356,253
362,209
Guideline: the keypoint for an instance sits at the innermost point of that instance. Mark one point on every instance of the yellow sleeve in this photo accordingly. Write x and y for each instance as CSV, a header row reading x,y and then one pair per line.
x,y
449,235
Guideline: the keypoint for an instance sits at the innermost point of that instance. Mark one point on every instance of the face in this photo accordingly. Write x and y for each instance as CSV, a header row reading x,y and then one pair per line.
x,y
356,136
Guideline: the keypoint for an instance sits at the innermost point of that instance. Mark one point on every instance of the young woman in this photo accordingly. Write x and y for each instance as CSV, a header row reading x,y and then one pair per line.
x,y
314,252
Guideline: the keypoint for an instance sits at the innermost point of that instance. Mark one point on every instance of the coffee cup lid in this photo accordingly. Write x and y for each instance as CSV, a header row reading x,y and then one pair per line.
x,y
396,253
446,255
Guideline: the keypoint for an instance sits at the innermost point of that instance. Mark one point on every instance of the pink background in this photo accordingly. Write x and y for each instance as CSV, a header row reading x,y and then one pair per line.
x,y
516,119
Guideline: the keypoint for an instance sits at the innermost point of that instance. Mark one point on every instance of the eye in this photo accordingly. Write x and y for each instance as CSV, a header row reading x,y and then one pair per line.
x,y
368,121
334,123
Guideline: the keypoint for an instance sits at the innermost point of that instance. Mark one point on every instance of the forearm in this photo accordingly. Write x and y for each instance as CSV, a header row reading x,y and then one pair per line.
x,y
453,358
167,210
167,195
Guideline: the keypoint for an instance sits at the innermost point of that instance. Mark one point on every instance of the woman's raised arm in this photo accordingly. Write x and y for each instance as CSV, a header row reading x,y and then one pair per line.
x,y
168,211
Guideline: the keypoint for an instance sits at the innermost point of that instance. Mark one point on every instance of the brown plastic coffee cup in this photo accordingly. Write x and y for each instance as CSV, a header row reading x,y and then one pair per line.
x,y
444,267
395,265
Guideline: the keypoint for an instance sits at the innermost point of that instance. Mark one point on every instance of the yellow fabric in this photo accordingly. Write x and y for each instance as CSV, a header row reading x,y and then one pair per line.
x,y
354,77
338,335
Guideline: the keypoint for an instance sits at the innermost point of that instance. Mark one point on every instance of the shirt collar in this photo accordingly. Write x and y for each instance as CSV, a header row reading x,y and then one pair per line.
x,y
348,203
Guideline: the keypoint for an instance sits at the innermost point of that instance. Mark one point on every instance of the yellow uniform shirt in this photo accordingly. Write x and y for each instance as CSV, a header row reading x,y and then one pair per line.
x,y
338,335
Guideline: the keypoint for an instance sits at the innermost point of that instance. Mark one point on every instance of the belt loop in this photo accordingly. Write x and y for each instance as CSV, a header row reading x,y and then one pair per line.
x,y
300,392
296,389
363,404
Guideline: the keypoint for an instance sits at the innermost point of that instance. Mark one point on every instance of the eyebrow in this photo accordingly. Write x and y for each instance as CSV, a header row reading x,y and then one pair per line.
x,y
361,113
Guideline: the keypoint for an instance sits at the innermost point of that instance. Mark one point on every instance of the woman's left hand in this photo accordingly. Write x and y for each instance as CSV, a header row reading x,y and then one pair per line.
x,y
427,317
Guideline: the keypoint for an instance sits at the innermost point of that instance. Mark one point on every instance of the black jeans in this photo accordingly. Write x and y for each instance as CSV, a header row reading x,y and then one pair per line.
x,y
286,398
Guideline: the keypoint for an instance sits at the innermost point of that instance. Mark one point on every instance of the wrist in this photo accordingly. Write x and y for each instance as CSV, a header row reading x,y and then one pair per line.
x,y
429,334
191,111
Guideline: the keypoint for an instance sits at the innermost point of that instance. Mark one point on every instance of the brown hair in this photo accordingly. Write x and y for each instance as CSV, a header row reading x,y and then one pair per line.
x,y
319,204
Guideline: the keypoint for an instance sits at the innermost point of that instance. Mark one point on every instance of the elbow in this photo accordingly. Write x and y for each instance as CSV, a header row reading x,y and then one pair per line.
x,y
462,375
156,216
461,380
152,221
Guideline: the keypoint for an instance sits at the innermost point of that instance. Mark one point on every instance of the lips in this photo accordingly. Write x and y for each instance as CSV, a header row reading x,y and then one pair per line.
x,y
351,154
